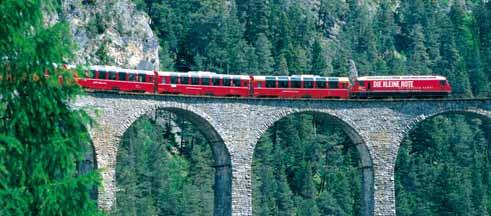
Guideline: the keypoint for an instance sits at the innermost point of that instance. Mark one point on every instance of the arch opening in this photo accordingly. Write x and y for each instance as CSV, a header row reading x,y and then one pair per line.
x,y
174,161
443,166
318,162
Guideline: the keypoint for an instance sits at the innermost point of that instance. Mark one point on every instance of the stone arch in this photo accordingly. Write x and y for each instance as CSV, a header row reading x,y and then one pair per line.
x,y
353,134
206,125
478,113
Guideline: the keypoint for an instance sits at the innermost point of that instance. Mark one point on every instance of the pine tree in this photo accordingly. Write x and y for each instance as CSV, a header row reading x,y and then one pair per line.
x,y
282,65
258,18
418,57
330,12
484,24
467,43
41,137
319,62
264,57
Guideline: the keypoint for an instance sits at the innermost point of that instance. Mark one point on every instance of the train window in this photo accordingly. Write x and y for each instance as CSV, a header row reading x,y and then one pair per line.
x,y
320,83
141,78
362,83
259,85
282,83
236,81
270,83
112,76
121,76
296,83
333,84
226,81
205,81
102,74
308,83
131,77
184,80
163,80
215,81
195,80
173,80
149,78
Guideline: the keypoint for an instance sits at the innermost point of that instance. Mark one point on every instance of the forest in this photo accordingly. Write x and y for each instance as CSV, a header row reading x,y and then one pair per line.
x,y
305,164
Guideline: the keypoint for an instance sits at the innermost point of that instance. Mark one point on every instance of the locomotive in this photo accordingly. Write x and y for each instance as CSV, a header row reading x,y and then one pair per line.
x,y
295,86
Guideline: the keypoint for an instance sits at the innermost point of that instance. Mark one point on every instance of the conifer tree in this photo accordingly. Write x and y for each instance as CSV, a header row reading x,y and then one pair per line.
x,y
418,57
41,137
319,62
264,57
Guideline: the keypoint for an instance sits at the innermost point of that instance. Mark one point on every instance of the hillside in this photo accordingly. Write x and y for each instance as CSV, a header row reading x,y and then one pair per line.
x,y
303,165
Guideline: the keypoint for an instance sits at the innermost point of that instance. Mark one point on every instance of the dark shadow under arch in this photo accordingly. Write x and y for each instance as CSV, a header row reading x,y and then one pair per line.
x,y
367,189
223,171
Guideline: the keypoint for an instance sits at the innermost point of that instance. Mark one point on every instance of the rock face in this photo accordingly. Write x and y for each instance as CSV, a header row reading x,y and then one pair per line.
x,y
111,32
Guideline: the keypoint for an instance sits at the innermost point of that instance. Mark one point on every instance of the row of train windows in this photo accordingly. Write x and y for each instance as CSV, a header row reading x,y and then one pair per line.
x,y
205,81
173,79
306,84
121,76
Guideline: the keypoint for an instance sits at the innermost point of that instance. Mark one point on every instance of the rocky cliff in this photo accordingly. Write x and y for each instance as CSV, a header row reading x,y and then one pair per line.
x,y
110,32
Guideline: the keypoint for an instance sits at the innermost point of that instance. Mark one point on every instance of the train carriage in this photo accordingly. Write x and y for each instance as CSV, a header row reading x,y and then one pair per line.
x,y
297,86
118,79
400,86
203,83
300,86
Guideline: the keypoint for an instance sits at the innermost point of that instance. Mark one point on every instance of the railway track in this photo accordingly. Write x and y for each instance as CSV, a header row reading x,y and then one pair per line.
x,y
450,98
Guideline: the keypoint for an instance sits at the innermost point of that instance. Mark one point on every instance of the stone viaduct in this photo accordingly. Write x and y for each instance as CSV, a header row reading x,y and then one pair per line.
x,y
234,125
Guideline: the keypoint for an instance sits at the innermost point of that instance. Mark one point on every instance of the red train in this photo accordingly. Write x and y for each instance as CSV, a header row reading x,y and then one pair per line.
x,y
297,86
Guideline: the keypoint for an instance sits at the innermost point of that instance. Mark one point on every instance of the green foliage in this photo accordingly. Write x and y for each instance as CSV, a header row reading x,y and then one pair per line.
x,y
303,166
282,37
158,176
319,61
443,168
102,54
263,53
41,138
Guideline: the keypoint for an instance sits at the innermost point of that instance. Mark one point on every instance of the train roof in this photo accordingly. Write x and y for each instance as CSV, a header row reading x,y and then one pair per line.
x,y
402,78
202,74
118,69
301,77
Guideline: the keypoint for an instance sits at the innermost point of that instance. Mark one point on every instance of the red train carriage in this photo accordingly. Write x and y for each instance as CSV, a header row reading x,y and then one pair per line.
x,y
302,86
203,83
308,86
118,79
400,86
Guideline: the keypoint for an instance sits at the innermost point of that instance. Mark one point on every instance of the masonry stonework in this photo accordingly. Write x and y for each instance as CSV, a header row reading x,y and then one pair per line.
x,y
233,126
